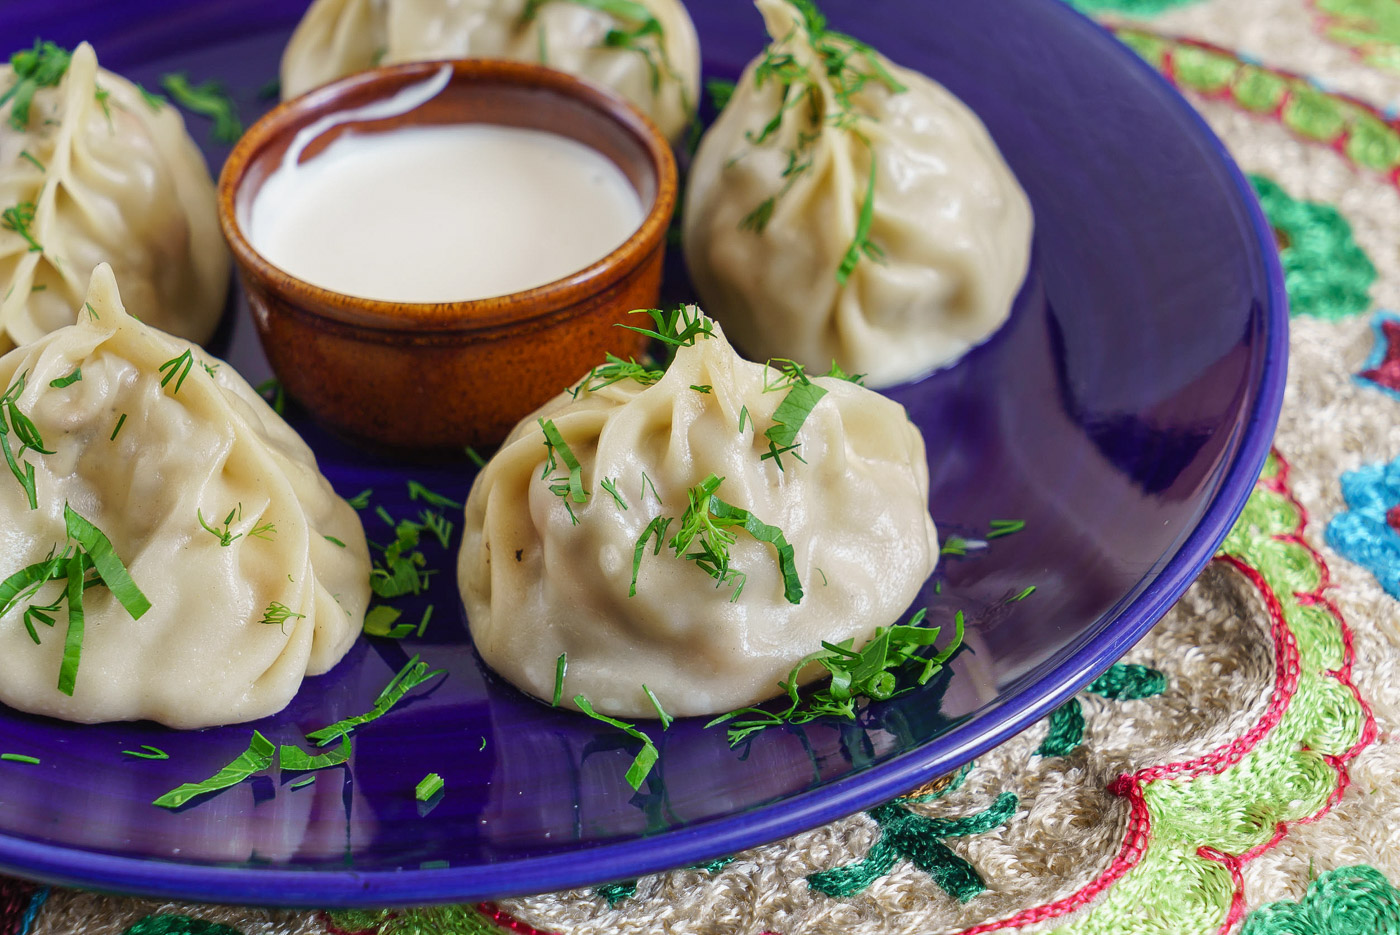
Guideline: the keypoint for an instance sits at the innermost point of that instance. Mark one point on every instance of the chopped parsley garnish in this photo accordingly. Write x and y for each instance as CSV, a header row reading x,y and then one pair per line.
x,y
848,65
413,674
361,499
417,491
561,666
147,752
69,380
646,757
40,67
208,99
18,219
256,759
12,421
430,786
279,614
298,760
402,569
383,621
177,368
20,758
873,672
437,524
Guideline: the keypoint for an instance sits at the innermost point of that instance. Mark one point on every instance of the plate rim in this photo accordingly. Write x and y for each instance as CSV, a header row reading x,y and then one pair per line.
x,y
315,888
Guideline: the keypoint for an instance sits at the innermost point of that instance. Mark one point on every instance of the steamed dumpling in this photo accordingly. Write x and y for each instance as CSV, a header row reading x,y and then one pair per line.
x,y
238,615
773,216
99,173
653,63
536,584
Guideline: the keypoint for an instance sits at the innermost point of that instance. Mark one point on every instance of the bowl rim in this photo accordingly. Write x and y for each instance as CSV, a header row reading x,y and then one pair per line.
x,y
550,300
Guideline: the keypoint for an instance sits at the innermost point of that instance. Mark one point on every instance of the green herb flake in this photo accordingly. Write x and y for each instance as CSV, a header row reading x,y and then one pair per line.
x,y
273,394
298,760
646,757
954,545
20,758
883,668
721,92
12,421
67,381
32,159
257,758
423,622
861,246
77,617
43,66
569,489
430,786
656,528
483,745
18,219
703,389
1024,594
666,719
561,666
116,431
270,90
92,312
147,752
208,99
153,100
278,614
177,368
417,491
226,536
412,675
382,621
611,487
361,499
334,541
110,569
302,783
1005,527
475,457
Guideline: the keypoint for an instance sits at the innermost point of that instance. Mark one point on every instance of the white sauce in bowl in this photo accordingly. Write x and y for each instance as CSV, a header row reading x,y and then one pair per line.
x,y
443,214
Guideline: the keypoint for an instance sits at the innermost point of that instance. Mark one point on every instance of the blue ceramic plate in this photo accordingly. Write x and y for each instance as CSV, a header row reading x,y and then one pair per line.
x,y
1124,413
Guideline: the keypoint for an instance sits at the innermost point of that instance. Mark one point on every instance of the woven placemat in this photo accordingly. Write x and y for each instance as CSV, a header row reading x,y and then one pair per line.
x,y
1237,771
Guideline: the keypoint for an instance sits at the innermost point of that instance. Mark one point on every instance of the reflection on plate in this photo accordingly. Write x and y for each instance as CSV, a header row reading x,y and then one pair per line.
x,y
1123,413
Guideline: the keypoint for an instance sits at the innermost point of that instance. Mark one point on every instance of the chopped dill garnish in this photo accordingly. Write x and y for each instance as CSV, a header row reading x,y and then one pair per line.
x,y
334,541
483,745
646,757
147,752
704,389
12,421
401,570
208,99
40,67
256,759
430,786
1024,594
361,499
676,328
1005,527
264,531
30,157
570,488
710,521
646,482
177,368
611,487
92,312
561,666
476,459
744,417
849,66
69,380
875,671
103,96
439,525
721,92
117,430
788,419
423,623
211,369
273,394
615,370
417,491
412,675
18,219
657,527
225,536
153,100
823,574
20,758
666,719
954,545
278,614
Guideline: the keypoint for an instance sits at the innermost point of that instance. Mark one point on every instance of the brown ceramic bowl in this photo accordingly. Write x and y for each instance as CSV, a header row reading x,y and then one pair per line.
x,y
436,376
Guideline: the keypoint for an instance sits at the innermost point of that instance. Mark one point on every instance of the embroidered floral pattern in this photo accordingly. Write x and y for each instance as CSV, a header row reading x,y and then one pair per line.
x,y
1349,901
19,901
1370,27
1119,683
1383,366
1326,272
1368,532
1130,7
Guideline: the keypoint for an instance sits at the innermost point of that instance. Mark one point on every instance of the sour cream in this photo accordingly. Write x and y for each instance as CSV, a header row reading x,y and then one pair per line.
x,y
444,213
